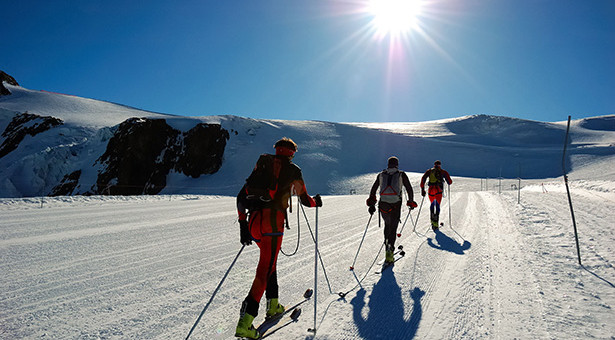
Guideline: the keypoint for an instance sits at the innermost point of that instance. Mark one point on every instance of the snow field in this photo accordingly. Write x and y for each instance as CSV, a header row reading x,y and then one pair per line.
x,y
144,267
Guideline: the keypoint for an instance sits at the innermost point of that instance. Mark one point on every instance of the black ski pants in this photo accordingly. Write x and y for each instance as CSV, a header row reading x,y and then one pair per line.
x,y
390,213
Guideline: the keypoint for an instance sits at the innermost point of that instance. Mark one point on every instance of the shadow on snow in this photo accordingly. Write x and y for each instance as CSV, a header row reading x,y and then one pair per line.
x,y
385,319
444,242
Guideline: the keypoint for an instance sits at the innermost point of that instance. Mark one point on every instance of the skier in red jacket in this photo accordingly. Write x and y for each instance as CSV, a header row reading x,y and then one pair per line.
x,y
265,198
436,176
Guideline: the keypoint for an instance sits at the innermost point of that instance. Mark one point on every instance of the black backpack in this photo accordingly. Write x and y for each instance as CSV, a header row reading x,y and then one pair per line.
x,y
262,184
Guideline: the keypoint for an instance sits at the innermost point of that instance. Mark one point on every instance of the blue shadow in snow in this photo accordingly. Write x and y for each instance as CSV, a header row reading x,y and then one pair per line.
x,y
448,244
386,311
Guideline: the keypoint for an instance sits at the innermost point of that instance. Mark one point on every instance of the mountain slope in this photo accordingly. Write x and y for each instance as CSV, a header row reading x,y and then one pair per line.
x,y
336,158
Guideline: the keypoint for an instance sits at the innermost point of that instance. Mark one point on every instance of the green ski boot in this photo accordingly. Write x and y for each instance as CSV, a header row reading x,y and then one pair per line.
x,y
274,308
434,221
245,329
389,257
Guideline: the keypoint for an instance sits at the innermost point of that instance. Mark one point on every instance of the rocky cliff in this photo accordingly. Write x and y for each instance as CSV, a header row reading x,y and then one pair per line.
x,y
143,151
22,125
6,78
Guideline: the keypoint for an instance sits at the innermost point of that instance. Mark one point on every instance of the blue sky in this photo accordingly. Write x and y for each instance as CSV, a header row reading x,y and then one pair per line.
x,y
319,60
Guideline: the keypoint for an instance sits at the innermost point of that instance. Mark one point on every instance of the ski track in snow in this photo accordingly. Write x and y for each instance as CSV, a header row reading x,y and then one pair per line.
x,y
144,269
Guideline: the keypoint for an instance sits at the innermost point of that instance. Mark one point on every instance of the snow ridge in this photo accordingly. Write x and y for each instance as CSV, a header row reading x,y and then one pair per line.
x,y
335,157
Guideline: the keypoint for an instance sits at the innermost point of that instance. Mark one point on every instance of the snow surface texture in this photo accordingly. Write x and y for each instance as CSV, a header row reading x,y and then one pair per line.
x,y
336,158
144,268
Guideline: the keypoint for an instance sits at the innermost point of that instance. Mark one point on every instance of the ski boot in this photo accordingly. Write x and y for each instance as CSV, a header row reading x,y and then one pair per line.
x,y
245,329
434,221
274,308
434,225
389,257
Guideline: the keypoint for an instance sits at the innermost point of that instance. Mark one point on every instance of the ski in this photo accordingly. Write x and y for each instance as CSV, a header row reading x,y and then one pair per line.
x,y
390,264
400,251
294,316
294,311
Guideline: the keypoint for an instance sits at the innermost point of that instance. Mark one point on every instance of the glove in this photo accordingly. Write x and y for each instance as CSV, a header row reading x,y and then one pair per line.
x,y
372,209
371,201
318,200
411,204
244,233
423,193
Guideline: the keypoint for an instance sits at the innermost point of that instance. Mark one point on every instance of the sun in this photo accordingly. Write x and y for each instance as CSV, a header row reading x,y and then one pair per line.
x,y
394,17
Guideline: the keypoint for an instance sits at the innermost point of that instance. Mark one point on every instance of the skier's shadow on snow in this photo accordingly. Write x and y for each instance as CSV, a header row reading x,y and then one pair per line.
x,y
386,311
448,244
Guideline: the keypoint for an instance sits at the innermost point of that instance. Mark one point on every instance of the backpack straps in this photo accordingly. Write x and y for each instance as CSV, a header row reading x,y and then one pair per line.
x,y
435,177
388,189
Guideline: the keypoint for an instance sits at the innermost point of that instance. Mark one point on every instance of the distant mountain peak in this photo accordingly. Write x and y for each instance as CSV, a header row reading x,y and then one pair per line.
x,y
6,78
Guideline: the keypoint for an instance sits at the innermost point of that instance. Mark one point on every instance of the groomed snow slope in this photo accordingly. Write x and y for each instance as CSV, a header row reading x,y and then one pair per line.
x,y
144,268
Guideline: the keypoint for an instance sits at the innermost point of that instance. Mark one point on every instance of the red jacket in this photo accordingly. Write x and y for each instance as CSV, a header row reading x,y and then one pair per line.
x,y
438,179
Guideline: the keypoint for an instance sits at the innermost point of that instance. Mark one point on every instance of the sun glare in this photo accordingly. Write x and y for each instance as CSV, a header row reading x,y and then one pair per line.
x,y
394,17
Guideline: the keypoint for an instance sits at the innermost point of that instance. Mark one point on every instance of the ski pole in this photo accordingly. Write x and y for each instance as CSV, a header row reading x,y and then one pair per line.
x,y
343,294
450,224
455,231
404,225
449,205
418,214
316,253
361,244
215,292
324,270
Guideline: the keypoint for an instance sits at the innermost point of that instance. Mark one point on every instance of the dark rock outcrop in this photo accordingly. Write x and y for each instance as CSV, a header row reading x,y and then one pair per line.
x,y
67,185
135,159
25,124
142,152
6,78
203,147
